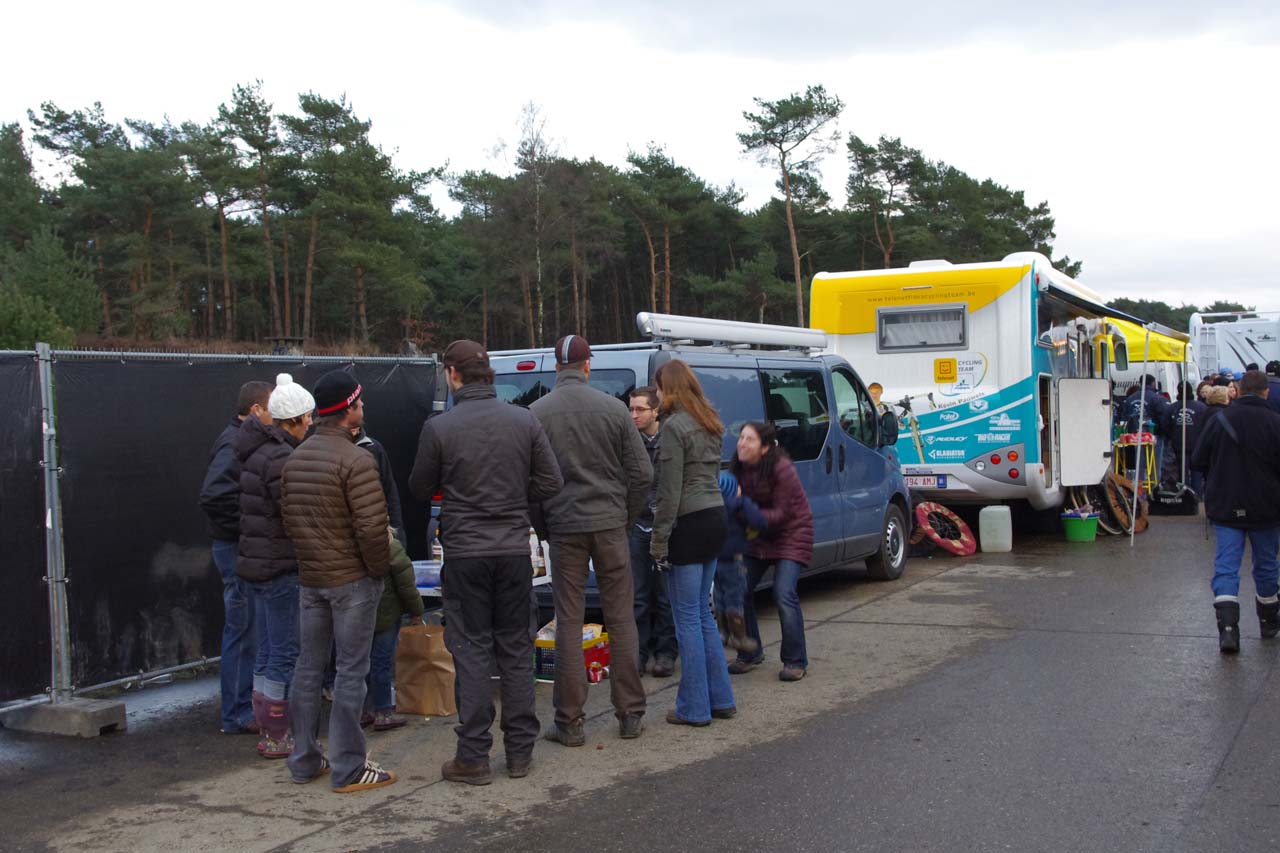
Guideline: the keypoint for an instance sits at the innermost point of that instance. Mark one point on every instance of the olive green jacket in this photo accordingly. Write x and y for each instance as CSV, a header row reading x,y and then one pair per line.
x,y
688,476
399,591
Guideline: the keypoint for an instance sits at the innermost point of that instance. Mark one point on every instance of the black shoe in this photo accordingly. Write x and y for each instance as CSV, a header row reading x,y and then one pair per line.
x,y
570,735
1269,619
476,773
631,726
663,667
723,713
518,768
1228,626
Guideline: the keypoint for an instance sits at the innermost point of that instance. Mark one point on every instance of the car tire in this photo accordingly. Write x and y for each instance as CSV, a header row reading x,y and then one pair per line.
x,y
887,563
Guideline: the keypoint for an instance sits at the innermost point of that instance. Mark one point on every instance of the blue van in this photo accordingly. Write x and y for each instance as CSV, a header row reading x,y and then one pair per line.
x,y
753,372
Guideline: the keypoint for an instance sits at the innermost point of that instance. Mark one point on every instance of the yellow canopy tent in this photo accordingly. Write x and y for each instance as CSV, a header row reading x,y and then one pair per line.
x,y
1162,347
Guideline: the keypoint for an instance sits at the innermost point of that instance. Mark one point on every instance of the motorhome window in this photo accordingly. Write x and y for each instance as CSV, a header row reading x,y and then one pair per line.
x,y
854,408
796,402
932,328
735,392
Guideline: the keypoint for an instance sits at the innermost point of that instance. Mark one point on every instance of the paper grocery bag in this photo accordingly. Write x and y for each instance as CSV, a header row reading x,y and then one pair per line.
x,y
424,672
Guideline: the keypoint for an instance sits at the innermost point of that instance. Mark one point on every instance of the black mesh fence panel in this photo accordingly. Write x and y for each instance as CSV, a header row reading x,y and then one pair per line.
x,y
24,604
134,439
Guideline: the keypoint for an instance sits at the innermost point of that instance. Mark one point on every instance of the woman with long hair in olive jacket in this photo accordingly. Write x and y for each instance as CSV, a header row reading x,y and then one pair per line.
x,y
767,476
688,529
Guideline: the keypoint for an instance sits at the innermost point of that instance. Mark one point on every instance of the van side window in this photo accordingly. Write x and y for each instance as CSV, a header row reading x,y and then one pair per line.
x,y
524,389
735,392
854,408
796,402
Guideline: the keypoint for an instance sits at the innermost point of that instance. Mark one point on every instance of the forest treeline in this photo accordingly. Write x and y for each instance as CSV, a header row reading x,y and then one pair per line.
x,y
257,223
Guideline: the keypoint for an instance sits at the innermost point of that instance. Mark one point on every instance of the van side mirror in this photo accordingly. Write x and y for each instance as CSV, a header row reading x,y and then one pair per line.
x,y
888,429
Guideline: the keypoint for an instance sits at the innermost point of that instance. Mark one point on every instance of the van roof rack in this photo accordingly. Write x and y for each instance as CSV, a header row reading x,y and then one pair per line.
x,y
674,329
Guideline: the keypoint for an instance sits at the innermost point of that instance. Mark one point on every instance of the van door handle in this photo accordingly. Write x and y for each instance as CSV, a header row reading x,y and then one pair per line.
x,y
842,458
828,459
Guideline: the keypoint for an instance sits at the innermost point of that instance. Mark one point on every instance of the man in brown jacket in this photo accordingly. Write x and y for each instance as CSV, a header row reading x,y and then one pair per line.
x,y
336,516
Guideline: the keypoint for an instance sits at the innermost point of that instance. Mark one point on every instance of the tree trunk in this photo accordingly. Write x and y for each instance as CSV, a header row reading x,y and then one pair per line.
x,y
269,249
586,298
555,307
133,303
107,328
208,285
573,277
146,246
484,316
666,272
288,299
616,303
528,307
653,268
361,309
307,329
227,309
795,246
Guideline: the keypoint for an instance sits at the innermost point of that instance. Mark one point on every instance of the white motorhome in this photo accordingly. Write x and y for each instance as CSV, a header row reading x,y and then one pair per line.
x,y
1000,370
1231,340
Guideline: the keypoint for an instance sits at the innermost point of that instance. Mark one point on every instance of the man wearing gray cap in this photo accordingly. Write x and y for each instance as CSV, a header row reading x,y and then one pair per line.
x,y
607,475
489,461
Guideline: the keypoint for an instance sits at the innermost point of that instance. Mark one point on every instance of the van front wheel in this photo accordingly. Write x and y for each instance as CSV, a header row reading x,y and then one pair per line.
x,y
888,562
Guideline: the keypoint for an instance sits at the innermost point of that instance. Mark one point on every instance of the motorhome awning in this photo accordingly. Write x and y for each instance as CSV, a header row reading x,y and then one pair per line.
x,y
1163,347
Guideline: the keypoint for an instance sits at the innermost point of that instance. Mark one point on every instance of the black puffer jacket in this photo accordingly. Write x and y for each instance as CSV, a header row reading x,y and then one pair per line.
x,y
220,491
1243,472
265,549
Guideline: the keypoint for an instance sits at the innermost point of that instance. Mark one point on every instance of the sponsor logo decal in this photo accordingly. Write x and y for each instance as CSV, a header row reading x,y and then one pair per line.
x,y
946,454
993,437
930,439
1003,421
949,416
979,405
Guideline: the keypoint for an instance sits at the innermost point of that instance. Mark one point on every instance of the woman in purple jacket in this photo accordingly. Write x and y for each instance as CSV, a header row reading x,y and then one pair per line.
x,y
768,477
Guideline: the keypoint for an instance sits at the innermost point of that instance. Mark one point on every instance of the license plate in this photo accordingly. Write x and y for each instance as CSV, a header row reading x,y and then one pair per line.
x,y
927,481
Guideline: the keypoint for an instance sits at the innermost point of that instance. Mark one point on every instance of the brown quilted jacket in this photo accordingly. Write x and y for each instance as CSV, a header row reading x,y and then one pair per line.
x,y
334,510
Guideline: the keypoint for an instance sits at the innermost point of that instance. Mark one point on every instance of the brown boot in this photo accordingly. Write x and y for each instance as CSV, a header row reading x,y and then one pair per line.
x,y
470,773
738,638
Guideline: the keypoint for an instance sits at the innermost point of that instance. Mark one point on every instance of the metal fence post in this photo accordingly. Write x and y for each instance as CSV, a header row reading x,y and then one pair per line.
x,y
55,568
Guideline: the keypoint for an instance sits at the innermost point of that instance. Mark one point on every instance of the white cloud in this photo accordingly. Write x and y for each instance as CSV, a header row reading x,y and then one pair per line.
x,y
1151,146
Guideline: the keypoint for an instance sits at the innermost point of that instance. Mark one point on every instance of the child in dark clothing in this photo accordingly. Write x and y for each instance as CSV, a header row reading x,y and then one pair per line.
x,y
399,597
745,520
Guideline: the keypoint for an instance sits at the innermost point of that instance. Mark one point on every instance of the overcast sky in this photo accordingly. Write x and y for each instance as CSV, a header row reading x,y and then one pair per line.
x,y
1150,127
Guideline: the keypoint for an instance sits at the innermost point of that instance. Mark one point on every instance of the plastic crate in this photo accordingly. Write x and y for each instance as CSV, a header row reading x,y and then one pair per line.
x,y
595,656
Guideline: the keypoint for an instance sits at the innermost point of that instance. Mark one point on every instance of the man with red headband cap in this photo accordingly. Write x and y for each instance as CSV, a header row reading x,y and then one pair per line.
x,y
336,516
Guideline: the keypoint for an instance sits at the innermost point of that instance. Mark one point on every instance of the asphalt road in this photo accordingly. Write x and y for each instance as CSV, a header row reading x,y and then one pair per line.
x,y
1061,697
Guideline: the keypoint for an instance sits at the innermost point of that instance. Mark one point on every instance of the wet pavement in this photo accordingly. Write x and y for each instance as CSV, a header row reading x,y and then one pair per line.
x,y
1060,697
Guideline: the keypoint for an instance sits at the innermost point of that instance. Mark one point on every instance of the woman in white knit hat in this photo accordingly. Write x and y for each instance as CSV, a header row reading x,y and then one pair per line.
x,y
267,562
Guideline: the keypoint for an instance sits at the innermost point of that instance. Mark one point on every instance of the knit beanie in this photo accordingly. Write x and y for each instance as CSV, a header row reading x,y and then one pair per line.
x,y
335,391
289,399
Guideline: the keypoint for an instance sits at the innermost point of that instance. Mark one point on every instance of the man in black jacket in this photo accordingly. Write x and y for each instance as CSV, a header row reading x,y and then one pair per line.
x,y
1240,452
489,460
220,499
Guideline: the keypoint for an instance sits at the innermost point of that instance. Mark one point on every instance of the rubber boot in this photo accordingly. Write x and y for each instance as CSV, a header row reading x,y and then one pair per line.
x,y
260,702
1228,626
276,728
1269,617
738,638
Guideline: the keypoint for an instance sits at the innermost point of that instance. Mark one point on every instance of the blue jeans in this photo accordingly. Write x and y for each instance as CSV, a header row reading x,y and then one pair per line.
x,y
341,615
1230,554
786,574
236,669
704,675
731,585
275,613
655,628
382,667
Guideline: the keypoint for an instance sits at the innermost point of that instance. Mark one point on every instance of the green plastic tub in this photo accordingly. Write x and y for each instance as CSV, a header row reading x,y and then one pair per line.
x,y
1079,529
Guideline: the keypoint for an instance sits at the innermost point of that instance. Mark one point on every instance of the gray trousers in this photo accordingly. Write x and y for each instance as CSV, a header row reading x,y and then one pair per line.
x,y
342,617
486,613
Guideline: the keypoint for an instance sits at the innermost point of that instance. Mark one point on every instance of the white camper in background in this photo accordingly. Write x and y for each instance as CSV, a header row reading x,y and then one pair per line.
x,y
1230,340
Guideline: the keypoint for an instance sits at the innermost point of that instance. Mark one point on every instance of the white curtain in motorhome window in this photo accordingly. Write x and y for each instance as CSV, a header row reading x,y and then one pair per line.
x,y
925,328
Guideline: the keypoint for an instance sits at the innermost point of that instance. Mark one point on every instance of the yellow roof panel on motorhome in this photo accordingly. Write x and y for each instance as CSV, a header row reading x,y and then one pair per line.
x,y
1163,347
846,303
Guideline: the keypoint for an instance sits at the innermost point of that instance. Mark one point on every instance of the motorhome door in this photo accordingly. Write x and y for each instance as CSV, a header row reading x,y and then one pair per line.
x,y
1084,434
